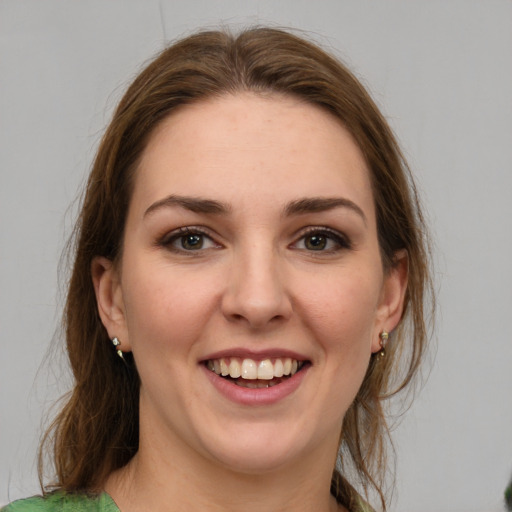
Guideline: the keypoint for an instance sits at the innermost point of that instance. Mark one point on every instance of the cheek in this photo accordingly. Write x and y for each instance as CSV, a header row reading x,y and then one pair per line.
x,y
165,307
343,313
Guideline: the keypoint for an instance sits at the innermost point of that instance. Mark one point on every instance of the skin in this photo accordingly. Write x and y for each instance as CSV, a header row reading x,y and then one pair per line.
x,y
256,284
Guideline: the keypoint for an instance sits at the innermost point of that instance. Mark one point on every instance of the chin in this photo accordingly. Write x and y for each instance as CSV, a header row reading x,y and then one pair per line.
x,y
256,461
261,449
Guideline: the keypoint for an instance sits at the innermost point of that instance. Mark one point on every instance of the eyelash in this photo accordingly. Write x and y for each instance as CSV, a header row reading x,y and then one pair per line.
x,y
181,233
341,241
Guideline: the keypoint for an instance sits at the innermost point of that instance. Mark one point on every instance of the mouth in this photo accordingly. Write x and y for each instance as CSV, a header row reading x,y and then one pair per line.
x,y
255,374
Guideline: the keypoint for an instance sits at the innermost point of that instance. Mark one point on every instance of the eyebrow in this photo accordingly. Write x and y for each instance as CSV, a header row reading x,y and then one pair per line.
x,y
194,204
298,207
321,204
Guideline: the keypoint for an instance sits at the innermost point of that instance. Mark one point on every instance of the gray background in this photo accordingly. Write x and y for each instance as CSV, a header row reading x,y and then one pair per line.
x,y
442,73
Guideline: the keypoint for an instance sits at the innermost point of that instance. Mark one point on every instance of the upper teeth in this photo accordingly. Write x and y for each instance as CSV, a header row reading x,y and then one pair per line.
x,y
265,369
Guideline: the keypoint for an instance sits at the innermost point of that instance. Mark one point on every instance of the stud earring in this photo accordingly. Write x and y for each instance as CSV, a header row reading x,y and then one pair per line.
x,y
384,336
116,344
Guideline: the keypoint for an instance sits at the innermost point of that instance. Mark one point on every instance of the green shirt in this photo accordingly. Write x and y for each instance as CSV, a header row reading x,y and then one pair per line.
x,y
63,502
60,501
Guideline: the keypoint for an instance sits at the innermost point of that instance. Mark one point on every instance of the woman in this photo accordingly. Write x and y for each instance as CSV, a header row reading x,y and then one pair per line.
x,y
249,237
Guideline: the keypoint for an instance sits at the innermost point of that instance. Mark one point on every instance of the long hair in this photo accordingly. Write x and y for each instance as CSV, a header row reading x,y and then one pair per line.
x,y
96,432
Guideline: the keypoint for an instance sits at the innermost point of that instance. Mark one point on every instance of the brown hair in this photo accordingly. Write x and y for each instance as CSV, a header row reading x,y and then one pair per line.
x,y
86,445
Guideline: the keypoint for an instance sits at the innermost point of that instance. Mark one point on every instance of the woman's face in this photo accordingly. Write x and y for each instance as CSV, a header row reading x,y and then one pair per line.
x,y
251,250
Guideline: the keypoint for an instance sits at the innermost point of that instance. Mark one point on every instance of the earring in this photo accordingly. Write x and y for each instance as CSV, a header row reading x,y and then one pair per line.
x,y
384,336
116,344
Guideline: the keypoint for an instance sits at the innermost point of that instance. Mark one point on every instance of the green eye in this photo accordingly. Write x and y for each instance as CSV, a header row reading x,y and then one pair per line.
x,y
187,240
322,239
192,242
315,242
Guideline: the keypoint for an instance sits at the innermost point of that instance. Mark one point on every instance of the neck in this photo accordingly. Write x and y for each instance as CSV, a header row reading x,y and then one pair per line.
x,y
152,481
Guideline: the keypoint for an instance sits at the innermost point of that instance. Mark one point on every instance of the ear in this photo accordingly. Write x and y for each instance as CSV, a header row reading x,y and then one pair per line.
x,y
392,298
109,297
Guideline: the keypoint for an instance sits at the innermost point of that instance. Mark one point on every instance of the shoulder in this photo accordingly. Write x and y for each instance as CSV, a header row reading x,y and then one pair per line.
x,y
63,502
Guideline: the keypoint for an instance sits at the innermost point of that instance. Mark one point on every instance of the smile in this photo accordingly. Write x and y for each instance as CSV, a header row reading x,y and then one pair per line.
x,y
249,373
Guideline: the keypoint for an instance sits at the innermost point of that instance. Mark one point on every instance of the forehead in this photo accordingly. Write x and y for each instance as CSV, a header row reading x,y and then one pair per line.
x,y
249,147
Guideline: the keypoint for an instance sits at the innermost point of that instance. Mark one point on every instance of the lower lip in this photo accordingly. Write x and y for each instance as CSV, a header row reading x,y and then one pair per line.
x,y
259,396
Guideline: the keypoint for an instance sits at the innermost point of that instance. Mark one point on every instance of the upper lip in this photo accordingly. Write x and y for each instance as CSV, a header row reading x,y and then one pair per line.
x,y
257,355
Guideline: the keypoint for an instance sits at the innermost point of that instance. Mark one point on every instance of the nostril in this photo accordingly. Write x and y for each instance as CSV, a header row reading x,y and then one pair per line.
x,y
256,322
257,299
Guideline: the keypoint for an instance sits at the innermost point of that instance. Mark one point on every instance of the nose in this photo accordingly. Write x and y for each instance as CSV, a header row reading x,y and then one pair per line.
x,y
256,292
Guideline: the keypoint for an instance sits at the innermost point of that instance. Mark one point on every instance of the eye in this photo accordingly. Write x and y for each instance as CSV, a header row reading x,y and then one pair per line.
x,y
322,240
192,242
316,242
188,239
